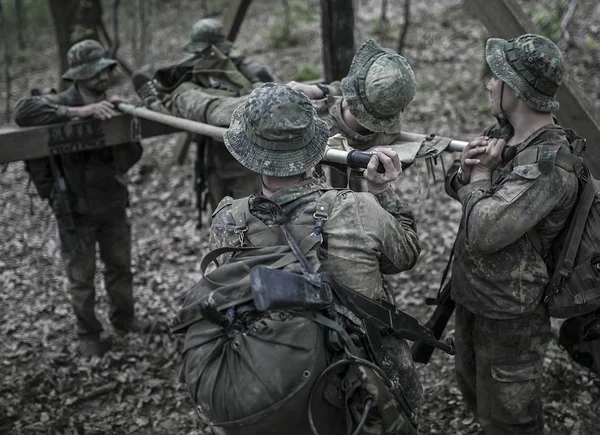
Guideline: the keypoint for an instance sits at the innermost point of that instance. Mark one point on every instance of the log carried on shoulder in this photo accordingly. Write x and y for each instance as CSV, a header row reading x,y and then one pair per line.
x,y
134,124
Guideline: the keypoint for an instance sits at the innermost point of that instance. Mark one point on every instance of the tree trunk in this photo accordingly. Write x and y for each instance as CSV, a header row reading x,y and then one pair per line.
x,y
74,21
384,8
20,18
6,60
337,33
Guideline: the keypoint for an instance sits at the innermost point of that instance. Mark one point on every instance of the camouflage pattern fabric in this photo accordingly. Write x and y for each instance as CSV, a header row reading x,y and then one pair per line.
x,y
276,132
499,368
205,33
330,110
366,235
497,272
85,60
532,65
378,87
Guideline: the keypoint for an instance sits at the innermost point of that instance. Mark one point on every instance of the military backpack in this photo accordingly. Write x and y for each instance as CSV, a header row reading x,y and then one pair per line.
x,y
266,346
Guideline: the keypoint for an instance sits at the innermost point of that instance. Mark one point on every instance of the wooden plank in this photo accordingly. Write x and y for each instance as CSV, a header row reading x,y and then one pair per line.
x,y
33,142
506,19
233,16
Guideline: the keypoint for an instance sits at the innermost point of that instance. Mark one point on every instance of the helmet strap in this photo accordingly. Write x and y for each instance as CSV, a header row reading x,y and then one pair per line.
x,y
502,118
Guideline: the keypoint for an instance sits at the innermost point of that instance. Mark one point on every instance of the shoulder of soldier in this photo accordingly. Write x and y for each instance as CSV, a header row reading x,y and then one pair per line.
x,y
222,213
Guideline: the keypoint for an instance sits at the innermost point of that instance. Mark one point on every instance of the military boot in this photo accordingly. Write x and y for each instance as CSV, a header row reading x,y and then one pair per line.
x,y
146,87
93,345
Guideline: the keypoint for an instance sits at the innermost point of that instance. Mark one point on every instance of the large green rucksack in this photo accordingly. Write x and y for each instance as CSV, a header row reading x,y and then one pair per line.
x,y
574,258
257,362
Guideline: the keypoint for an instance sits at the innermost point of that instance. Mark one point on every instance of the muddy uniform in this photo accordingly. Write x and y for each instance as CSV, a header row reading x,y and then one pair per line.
x,y
98,197
498,280
207,89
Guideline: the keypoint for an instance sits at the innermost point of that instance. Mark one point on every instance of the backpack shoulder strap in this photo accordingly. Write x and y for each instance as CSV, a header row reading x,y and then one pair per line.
x,y
566,260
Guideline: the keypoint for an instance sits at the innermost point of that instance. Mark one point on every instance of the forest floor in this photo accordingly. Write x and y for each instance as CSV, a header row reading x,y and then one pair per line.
x,y
45,387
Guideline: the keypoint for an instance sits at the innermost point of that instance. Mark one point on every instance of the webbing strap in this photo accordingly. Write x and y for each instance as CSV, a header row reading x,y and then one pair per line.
x,y
566,260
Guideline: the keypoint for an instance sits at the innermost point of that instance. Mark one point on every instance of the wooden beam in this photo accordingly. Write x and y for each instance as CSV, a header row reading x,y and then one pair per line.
x,y
40,141
505,19
233,16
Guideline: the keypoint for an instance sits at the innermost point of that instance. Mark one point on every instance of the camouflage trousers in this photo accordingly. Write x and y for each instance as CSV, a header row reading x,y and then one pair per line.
x,y
499,367
111,232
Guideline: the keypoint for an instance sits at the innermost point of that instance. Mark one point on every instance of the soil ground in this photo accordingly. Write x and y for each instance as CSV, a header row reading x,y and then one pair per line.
x,y
46,388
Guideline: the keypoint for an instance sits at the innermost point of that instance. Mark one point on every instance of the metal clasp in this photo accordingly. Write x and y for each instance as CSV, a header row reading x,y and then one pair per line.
x,y
135,130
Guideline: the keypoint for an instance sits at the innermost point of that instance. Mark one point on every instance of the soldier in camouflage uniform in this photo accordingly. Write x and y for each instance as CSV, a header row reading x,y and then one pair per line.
x,y
194,89
365,236
512,210
367,105
97,195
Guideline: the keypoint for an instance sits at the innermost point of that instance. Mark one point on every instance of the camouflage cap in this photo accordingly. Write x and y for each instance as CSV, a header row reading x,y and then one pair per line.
x,y
86,59
277,132
532,65
207,32
378,87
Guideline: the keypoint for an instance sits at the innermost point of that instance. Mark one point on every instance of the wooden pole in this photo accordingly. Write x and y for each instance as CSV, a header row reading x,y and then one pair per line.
x,y
505,19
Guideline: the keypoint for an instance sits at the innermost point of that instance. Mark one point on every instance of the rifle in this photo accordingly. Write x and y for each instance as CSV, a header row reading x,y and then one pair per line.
x,y
200,178
65,220
420,350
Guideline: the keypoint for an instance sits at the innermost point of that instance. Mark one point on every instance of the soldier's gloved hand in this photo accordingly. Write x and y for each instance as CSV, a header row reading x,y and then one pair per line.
x,y
101,110
311,91
377,182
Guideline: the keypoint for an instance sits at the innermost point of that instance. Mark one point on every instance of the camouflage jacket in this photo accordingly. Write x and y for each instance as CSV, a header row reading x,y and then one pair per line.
x,y
364,237
497,272
330,110
95,179
194,69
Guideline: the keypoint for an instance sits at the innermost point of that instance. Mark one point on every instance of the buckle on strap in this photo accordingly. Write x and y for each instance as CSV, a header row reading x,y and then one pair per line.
x,y
135,130
320,216
241,233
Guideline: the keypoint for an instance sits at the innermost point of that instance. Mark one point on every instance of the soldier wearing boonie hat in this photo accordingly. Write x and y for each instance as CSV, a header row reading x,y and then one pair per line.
x,y
91,183
85,60
532,65
366,106
516,201
276,133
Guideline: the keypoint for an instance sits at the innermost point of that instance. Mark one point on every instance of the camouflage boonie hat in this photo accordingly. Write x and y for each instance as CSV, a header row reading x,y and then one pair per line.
x,y
378,87
531,65
85,60
277,132
205,33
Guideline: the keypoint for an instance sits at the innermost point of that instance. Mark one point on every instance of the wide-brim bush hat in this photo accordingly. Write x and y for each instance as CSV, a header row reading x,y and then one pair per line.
x,y
205,33
277,132
379,85
532,65
85,60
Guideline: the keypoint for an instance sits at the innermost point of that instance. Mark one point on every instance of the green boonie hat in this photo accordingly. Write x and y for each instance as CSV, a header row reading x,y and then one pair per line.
x,y
378,87
532,65
85,60
205,33
276,132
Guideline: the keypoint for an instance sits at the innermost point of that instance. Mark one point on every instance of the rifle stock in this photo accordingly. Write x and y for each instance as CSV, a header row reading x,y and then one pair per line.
x,y
421,351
